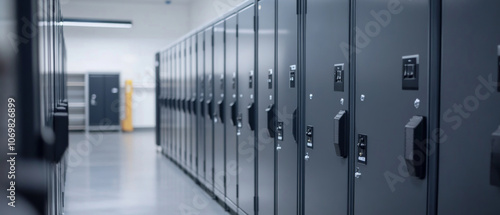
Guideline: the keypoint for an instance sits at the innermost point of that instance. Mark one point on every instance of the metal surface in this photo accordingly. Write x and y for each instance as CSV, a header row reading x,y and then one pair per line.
x,y
193,99
231,97
219,104
326,184
209,109
385,187
286,104
265,90
469,107
200,105
246,139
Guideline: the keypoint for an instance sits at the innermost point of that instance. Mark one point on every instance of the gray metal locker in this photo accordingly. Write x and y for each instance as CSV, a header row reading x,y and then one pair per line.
x,y
392,107
182,107
176,114
209,110
266,108
193,100
187,99
159,99
286,106
470,100
326,107
246,110
170,111
200,68
219,117
104,101
231,111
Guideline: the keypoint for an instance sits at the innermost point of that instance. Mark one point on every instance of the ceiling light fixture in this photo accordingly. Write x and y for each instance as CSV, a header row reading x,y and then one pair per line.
x,y
93,23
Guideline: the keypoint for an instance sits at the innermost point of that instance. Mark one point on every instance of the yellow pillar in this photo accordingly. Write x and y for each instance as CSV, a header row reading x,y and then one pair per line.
x,y
127,122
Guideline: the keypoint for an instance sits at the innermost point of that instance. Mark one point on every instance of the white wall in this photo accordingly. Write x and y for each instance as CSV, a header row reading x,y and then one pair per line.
x,y
131,51
204,11
128,51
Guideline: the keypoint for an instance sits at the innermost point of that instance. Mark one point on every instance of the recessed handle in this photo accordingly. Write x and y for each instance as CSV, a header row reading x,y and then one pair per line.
x,y
210,108
234,114
495,159
202,107
251,116
294,125
341,134
416,146
222,111
271,120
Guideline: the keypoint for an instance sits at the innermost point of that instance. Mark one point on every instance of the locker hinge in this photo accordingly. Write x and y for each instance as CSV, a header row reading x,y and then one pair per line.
x,y
256,203
255,24
237,190
237,29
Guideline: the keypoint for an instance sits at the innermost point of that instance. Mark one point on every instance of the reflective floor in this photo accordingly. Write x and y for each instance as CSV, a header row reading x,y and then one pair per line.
x,y
122,173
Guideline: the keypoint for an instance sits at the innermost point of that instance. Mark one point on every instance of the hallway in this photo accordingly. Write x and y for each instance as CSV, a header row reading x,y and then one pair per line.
x,y
122,173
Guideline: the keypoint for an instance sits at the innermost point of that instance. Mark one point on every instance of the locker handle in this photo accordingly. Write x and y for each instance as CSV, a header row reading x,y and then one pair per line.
x,y
495,159
210,109
271,120
251,116
202,108
234,113
416,146
341,134
188,106
294,125
193,106
221,111
60,128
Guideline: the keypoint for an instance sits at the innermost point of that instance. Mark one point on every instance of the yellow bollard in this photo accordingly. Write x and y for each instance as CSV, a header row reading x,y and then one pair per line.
x,y
127,122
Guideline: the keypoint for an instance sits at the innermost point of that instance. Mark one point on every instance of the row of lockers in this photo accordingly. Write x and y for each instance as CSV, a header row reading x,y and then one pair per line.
x,y
338,107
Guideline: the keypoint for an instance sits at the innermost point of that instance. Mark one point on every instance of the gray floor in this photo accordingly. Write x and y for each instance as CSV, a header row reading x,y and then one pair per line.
x,y
121,173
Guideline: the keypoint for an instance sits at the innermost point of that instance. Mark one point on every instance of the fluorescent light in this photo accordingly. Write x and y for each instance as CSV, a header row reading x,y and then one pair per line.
x,y
96,23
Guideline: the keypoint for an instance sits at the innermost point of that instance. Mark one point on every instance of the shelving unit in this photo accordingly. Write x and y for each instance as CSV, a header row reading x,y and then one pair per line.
x,y
77,94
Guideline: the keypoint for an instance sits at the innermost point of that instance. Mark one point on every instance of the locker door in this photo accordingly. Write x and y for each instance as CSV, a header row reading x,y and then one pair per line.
x,y
286,104
182,110
187,99
112,100
209,110
391,107
266,108
169,109
326,108
470,100
219,117
176,114
166,107
159,98
200,68
96,100
246,111
231,113
194,127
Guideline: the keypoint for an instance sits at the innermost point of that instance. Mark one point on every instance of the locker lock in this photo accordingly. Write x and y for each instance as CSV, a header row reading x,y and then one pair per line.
x,y
309,137
293,70
362,148
410,72
339,78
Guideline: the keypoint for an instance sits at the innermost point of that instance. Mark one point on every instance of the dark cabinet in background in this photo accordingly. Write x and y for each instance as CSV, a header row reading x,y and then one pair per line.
x,y
104,101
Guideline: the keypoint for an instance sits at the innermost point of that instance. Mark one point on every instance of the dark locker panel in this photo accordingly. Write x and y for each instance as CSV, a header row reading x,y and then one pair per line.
x,y
169,110
166,108
209,109
392,46
104,101
219,117
112,99
96,100
469,147
200,105
231,112
182,97
266,108
192,104
326,172
246,110
175,95
187,99
286,104
159,99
